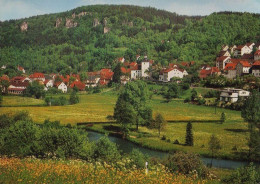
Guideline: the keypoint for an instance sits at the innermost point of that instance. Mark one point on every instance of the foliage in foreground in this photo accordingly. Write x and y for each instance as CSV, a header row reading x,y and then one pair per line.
x,y
13,170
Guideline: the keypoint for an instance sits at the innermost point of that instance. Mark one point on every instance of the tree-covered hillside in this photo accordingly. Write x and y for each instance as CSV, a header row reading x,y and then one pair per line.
x,y
91,37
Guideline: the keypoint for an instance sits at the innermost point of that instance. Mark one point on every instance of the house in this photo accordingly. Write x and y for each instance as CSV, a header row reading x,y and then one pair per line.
x,y
224,48
224,53
232,49
37,76
257,46
93,79
48,84
222,61
3,67
21,69
121,60
106,76
61,86
248,57
257,55
17,88
256,69
208,72
168,73
230,70
241,50
250,45
19,79
80,85
242,68
232,95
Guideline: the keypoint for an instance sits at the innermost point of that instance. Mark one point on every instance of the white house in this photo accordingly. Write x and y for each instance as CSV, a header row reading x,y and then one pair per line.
x,y
48,84
232,49
61,86
145,65
232,95
168,73
224,47
241,50
224,53
222,61
256,69
250,45
136,74
19,68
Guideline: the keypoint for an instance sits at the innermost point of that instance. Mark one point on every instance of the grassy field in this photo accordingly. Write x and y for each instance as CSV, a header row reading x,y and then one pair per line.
x,y
230,135
21,101
96,107
14,170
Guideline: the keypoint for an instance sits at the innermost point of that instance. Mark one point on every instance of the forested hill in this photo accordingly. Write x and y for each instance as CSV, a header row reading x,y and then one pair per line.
x,y
91,37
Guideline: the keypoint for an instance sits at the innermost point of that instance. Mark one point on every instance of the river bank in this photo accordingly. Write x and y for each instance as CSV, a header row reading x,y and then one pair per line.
x,y
225,161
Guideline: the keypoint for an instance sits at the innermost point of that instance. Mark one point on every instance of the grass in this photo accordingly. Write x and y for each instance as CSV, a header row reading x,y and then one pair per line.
x,y
228,135
14,170
15,101
96,107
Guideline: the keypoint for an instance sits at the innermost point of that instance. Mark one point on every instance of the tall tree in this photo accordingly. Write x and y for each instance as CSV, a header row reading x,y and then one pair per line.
x,y
172,92
159,123
214,146
189,135
74,97
137,94
35,89
251,114
125,115
117,74
194,94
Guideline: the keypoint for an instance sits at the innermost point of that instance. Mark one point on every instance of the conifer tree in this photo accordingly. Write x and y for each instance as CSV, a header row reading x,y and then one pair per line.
x,y
189,135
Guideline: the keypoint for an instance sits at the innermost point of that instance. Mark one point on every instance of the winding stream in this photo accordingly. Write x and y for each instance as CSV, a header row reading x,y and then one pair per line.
x,y
127,146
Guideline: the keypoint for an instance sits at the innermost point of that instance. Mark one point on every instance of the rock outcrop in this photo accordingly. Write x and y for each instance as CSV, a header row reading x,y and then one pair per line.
x,y
24,26
105,22
95,22
70,23
58,22
106,29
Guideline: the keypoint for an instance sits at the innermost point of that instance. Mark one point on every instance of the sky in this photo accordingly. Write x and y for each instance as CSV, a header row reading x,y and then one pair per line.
x,y
16,9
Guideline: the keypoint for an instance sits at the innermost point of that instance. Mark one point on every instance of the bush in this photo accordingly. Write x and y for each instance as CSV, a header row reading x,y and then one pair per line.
x,y
201,101
187,100
56,101
105,150
20,139
185,86
186,163
163,137
168,140
74,99
176,142
245,175
138,159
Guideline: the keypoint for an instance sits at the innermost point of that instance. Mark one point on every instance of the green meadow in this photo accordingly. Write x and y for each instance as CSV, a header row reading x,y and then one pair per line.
x,y
96,107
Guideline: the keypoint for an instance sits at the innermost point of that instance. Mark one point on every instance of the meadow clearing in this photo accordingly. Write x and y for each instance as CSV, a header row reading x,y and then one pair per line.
x,y
96,107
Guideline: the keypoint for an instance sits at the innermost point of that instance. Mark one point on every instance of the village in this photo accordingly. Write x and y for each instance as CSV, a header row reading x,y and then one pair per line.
x,y
231,62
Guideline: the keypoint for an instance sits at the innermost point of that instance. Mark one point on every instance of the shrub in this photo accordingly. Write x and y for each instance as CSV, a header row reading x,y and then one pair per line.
x,y
168,140
105,150
245,175
186,163
20,139
201,101
138,159
176,142
163,137
74,99
187,100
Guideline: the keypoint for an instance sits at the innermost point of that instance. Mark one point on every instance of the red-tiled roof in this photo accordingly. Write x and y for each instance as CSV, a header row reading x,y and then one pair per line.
x,y
20,68
245,63
125,71
20,84
247,56
106,74
4,77
257,53
37,75
184,63
16,89
80,85
231,66
257,63
171,65
204,73
46,81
